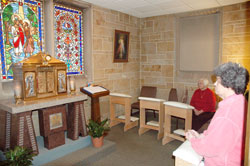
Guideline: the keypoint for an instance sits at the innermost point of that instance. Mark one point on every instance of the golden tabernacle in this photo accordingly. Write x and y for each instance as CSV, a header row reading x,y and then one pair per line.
x,y
39,76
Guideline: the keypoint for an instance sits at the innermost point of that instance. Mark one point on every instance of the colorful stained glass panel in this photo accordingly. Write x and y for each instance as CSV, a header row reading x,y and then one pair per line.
x,y
68,38
21,32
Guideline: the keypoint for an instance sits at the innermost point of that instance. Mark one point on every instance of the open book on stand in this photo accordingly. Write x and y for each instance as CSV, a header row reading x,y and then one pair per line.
x,y
94,89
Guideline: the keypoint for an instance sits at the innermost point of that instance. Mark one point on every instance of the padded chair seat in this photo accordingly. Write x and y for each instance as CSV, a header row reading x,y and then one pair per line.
x,y
135,105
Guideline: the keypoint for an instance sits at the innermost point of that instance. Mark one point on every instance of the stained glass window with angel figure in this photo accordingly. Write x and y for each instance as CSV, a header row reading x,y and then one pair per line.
x,y
21,32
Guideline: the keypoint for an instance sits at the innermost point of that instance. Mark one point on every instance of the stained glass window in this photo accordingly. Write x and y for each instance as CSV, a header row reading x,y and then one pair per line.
x,y
21,32
68,38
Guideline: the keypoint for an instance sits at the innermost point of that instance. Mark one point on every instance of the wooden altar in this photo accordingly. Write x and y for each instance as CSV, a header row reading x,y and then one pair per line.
x,y
16,124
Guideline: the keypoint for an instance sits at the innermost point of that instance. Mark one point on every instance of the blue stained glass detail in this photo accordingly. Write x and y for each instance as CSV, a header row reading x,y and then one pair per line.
x,y
80,24
2,49
71,73
65,9
40,27
32,2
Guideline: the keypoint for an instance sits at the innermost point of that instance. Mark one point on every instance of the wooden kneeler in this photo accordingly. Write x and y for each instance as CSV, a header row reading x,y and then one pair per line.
x,y
154,104
125,100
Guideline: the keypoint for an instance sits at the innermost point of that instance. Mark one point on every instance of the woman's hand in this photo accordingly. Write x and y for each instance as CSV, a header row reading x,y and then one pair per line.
x,y
193,134
198,112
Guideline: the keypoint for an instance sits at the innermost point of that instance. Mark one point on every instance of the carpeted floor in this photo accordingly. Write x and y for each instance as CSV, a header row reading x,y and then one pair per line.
x,y
130,150
135,150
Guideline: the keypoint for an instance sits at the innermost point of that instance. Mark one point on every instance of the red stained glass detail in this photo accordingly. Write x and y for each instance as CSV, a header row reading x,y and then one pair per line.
x,y
76,55
39,3
58,38
75,33
58,30
4,77
67,40
59,55
76,40
57,13
76,48
58,46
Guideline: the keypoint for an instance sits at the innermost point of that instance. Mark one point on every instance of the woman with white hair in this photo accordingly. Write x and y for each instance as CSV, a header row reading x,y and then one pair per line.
x,y
223,142
204,102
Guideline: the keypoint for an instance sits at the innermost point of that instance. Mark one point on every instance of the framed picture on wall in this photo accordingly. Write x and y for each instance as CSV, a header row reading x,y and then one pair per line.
x,y
121,46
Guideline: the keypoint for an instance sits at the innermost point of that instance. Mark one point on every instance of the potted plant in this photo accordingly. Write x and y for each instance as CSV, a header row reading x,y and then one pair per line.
x,y
19,156
96,130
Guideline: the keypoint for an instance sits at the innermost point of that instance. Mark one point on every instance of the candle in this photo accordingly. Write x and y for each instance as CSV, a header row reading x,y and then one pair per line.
x,y
17,90
72,84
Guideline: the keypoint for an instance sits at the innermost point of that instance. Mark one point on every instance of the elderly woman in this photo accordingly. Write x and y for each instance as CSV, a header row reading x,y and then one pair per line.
x,y
204,102
223,142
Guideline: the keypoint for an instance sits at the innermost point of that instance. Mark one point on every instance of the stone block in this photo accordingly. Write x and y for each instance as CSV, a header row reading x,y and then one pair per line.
x,y
168,70
107,45
97,44
235,16
148,48
143,59
228,29
98,17
162,47
231,8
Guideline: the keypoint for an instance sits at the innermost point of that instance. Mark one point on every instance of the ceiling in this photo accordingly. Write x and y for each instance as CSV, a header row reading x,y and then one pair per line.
x,y
148,8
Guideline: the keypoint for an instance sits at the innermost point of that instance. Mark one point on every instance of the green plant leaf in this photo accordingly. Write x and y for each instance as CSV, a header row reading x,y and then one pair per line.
x,y
97,129
19,156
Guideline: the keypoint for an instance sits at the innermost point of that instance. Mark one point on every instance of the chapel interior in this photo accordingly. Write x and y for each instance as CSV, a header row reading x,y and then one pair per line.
x,y
156,45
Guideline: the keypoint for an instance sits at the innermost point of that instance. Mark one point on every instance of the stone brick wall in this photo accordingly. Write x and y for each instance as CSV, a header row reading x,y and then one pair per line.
x,y
236,34
158,53
158,50
117,77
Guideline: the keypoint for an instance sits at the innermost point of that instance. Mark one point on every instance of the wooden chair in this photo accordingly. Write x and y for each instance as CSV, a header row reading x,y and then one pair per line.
x,y
146,91
173,97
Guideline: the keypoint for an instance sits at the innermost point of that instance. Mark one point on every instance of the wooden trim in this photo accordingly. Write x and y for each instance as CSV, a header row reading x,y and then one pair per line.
x,y
247,145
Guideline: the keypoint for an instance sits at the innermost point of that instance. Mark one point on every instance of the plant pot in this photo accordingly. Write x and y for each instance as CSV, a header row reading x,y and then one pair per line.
x,y
97,142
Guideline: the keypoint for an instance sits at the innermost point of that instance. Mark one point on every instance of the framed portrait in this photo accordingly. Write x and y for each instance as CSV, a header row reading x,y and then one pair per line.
x,y
121,46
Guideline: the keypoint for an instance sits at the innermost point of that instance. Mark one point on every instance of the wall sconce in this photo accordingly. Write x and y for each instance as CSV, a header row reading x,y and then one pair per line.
x,y
72,85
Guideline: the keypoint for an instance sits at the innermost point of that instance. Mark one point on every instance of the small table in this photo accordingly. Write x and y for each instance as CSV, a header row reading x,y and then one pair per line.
x,y
95,105
180,110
